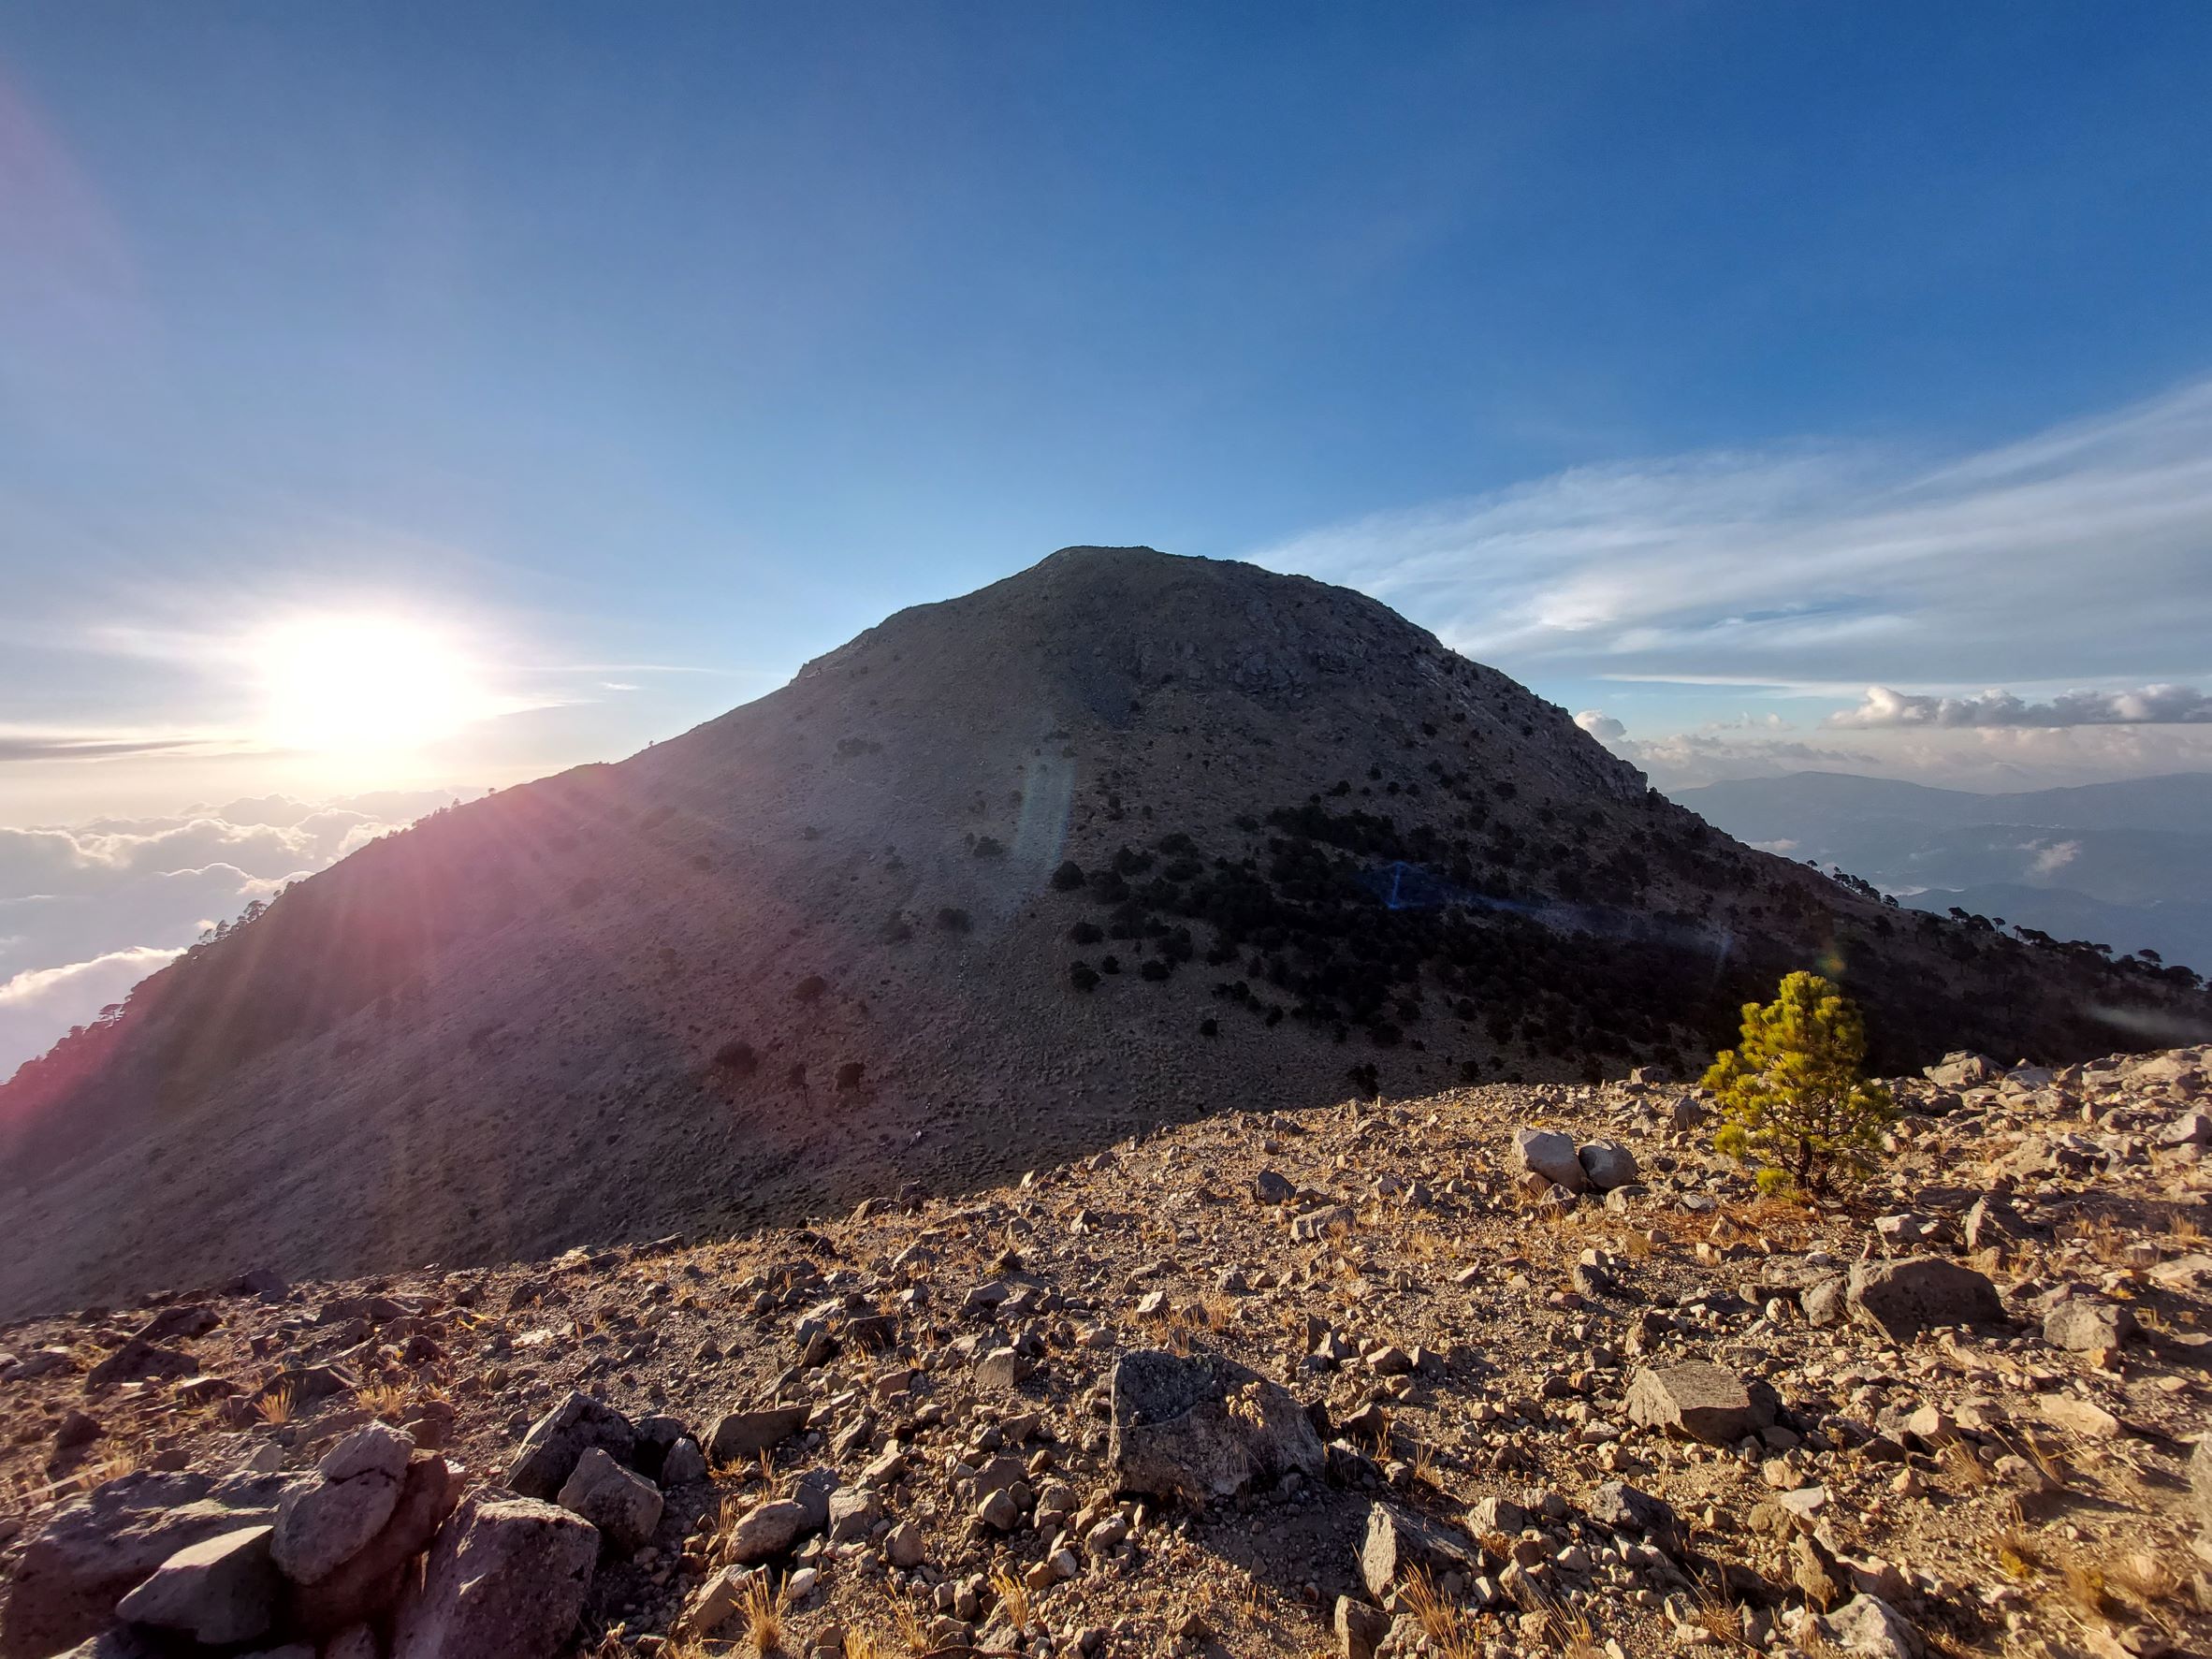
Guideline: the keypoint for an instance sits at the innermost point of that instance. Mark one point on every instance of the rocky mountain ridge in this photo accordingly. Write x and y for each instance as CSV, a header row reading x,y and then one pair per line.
x,y
1509,1369
1122,839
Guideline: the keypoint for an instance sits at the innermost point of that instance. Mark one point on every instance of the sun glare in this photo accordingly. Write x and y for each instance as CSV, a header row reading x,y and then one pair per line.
x,y
355,684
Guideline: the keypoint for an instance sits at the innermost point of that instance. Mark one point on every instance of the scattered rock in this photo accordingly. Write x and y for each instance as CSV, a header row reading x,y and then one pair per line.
x,y
624,1506
1902,1298
1203,1428
505,1579
220,1590
1549,1157
1699,1400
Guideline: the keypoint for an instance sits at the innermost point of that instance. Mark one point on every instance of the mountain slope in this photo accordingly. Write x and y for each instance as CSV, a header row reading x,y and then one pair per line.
x,y
822,945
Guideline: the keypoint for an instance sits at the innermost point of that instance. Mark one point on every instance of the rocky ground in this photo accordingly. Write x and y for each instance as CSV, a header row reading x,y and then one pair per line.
x,y
1370,1378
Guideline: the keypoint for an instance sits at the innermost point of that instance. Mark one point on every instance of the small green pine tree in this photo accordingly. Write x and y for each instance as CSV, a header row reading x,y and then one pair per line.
x,y
1792,1101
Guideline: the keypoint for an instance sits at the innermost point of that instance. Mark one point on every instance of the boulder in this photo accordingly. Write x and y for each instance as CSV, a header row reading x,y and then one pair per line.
x,y
1360,1628
370,1580
741,1435
1700,1400
1627,1508
322,1525
505,1579
853,1513
1204,1426
1550,1156
2081,1324
181,1320
1902,1298
1269,1187
624,1506
1963,1069
684,1464
220,1590
767,1530
1399,1539
137,1359
2200,1480
1867,1624
97,1550
1608,1164
556,1441
1991,1222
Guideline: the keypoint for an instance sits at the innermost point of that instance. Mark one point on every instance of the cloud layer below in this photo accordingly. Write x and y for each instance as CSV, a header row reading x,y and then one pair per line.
x,y
88,909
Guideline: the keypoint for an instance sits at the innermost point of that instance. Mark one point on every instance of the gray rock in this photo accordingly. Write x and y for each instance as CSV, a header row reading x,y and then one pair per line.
x,y
904,1546
1825,1301
1902,1298
505,1579
998,1371
135,1360
1700,1400
370,1580
556,1441
766,1530
623,1505
1686,1112
1359,1628
1497,1515
1867,1624
1316,1224
1399,1539
1991,1222
742,1434
1963,1069
853,1513
2191,1128
97,1550
319,1526
1204,1427
1550,1154
220,1590
2200,1480
2082,1323
1270,1189
1627,1508
655,1436
1608,1164
684,1465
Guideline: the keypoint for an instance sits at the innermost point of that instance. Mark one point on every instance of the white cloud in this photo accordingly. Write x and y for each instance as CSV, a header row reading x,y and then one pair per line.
x,y
39,1005
1687,759
1600,726
86,909
2150,706
2078,554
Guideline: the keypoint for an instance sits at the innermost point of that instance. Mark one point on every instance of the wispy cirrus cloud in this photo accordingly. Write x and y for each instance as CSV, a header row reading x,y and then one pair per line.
x,y
2078,554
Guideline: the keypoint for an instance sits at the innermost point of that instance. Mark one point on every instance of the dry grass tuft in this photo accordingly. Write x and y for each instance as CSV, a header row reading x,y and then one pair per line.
x,y
2086,1593
911,1634
381,1399
762,1610
276,1405
2144,1577
2017,1555
1013,1598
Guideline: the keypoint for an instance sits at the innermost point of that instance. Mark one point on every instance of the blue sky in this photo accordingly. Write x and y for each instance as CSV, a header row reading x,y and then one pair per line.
x,y
1703,365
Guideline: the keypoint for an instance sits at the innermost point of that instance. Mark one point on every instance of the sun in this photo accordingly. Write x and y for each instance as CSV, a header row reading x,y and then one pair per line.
x,y
355,684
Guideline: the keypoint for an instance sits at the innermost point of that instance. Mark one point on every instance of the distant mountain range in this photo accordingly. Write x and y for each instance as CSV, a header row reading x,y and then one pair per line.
x,y
2128,864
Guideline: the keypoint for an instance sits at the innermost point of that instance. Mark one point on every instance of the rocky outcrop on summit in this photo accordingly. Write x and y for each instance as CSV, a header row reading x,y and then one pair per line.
x,y
1108,843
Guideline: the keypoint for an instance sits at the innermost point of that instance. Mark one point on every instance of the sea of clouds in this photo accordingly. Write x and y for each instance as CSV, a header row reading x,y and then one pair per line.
x,y
88,909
